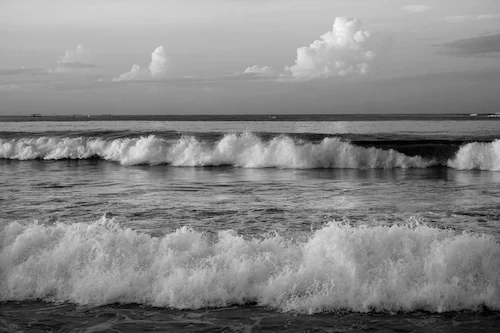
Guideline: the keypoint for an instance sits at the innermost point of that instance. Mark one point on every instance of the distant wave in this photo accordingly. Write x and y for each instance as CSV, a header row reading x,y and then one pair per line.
x,y
247,150
339,267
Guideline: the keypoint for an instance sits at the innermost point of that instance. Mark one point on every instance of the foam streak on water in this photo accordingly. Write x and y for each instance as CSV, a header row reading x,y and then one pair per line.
x,y
338,267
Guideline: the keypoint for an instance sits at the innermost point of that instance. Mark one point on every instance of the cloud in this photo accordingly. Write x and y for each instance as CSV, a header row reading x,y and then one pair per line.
x,y
75,65
22,71
77,55
7,88
158,68
462,18
132,75
476,46
417,8
488,16
158,65
258,70
76,59
343,51
456,18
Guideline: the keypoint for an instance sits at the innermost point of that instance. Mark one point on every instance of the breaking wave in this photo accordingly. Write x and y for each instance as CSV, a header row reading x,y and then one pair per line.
x,y
477,155
240,150
245,150
338,267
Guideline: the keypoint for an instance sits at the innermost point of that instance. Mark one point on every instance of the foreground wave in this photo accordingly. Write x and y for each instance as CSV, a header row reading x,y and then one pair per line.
x,y
339,267
243,150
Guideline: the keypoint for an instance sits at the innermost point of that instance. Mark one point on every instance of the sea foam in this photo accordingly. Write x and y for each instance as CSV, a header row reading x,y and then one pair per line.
x,y
477,155
338,267
239,150
242,150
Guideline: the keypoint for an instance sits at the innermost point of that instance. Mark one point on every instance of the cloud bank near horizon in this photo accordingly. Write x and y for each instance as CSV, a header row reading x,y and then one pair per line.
x,y
464,18
475,46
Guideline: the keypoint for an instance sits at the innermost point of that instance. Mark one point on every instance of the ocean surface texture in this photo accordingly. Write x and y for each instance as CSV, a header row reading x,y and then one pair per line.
x,y
264,224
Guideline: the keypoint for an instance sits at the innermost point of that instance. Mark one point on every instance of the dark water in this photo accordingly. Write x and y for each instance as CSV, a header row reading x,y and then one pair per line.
x,y
236,226
250,201
42,317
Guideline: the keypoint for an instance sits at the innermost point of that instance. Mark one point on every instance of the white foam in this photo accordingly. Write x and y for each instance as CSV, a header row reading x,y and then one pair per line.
x,y
477,155
240,150
339,267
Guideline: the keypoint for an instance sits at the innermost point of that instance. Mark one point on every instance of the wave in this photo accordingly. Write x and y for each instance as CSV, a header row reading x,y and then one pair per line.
x,y
477,155
249,151
338,267
240,150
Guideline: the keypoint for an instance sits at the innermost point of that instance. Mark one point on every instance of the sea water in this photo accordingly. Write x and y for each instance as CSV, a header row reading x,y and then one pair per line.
x,y
307,224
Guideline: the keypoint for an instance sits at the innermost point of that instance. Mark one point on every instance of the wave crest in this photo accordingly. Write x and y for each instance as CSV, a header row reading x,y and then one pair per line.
x,y
477,155
240,150
339,267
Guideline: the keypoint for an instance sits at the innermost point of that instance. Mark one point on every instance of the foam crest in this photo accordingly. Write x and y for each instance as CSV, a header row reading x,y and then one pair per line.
x,y
477,155
240,150
338,267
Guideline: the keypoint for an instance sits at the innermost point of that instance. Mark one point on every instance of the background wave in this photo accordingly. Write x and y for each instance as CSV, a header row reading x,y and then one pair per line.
x,y
251,151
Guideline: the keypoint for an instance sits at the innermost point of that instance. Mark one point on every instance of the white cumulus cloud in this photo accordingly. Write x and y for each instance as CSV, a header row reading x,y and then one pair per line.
x,y
76,59
77,55
417,8
132,75
344,50
258,70
158,67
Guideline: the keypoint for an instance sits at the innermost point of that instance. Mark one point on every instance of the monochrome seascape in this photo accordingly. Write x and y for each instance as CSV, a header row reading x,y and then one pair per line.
x,y
232,224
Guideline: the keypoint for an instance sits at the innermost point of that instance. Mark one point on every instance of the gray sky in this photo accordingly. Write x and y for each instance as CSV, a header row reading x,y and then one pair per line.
x,y
249,56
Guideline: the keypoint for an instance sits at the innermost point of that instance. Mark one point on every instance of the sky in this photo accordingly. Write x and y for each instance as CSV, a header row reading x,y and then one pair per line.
x,y
63,57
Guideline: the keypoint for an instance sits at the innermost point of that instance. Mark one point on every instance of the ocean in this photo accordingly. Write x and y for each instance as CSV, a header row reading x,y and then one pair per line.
x,y
250,223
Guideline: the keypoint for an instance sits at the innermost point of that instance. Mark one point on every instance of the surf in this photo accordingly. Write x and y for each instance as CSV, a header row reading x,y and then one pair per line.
x,y
338,267
248,150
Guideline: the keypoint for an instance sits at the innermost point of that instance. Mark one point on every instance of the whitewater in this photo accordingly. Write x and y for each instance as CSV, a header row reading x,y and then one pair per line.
x,y
243,150
262,225
338,267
